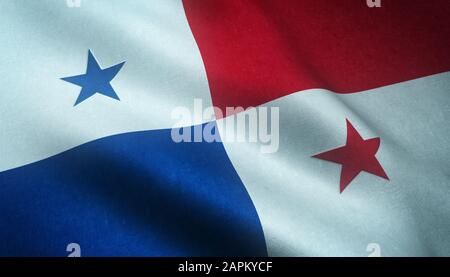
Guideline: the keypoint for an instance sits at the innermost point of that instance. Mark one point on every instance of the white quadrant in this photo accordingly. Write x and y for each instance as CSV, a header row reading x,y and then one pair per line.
x,y
43,41
297,197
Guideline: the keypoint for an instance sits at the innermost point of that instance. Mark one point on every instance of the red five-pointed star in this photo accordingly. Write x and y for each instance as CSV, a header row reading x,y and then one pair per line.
x,y
356,156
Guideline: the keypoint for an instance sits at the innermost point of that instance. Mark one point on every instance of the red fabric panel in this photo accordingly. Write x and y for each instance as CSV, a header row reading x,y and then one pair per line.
x,y
256,51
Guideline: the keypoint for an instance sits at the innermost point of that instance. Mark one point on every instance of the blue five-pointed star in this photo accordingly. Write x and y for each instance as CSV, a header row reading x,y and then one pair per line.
x,y
96,80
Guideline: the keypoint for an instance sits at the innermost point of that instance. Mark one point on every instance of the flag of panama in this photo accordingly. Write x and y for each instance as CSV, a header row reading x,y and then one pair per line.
x,y
87,156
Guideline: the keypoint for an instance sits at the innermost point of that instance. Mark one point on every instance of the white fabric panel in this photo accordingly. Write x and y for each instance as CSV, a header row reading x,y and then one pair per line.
x,y
43,41
297,197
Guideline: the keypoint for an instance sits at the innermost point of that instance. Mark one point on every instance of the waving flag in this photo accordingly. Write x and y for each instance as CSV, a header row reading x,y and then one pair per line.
x,y
87,154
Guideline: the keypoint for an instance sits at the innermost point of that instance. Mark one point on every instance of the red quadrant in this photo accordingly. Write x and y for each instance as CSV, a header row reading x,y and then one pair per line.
x,y
256,51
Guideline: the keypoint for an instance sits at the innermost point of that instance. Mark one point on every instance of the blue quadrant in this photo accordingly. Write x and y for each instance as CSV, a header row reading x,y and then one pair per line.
x,y
134,194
